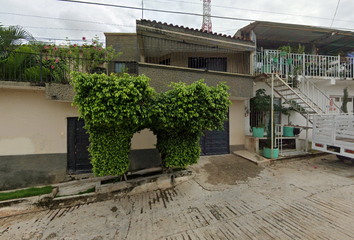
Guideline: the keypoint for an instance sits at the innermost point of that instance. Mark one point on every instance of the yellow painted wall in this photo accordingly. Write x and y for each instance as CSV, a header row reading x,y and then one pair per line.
x,y
143,140
29,124
237,121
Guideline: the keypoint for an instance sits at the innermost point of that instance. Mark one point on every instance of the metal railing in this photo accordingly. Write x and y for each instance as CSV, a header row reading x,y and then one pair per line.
x,y
282,63
41,68
316,97
190,55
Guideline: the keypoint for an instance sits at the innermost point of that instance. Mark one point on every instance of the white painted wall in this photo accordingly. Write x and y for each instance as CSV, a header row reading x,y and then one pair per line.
x,y
236,118
296,119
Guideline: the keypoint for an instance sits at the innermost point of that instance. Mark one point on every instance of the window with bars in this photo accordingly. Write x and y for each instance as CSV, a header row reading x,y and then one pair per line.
x,y
216,64
125,67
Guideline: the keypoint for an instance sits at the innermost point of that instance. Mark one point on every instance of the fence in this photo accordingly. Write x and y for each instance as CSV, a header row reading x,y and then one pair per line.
x,y
276,61
41,68
334,131
190,55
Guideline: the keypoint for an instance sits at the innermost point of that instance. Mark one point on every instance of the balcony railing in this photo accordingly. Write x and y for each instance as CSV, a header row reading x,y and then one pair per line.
x,y
42,68
312,66
191,55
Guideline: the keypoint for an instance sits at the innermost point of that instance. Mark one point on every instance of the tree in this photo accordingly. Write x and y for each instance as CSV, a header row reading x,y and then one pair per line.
x,y
13,36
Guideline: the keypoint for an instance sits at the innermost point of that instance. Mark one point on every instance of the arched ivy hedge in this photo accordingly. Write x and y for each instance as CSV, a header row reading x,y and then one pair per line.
x,y
114,108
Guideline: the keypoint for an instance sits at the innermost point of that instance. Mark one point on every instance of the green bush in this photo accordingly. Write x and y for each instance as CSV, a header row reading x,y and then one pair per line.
x,y
114,108
182,114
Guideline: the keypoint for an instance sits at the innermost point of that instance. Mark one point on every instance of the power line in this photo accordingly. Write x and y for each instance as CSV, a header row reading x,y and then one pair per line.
x,y
154,10
255,10
72,29
63,39
164,11
335,13
65,19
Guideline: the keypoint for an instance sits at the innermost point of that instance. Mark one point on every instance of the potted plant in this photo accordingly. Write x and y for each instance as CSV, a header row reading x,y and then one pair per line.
x,y
287,130
261,104
267,151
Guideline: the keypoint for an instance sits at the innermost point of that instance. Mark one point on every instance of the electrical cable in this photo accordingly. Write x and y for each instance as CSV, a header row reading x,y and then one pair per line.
x,y
155,10
335,13
254,10
65,19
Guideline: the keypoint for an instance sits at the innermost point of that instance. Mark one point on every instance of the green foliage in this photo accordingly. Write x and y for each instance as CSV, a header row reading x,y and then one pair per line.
x,y
269,133
114,108
11,37
29,192
261,104
74,56
37,61
22,63
182,114
345,100
262,101
292,49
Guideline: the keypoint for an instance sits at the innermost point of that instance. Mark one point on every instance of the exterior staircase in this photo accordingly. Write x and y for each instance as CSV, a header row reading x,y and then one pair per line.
x,y
306,98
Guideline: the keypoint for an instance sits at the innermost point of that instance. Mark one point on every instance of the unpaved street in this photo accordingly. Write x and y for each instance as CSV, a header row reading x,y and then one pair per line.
x,y
229,198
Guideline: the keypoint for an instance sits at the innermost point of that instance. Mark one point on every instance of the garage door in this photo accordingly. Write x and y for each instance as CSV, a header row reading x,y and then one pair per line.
x,y
215,142
78,143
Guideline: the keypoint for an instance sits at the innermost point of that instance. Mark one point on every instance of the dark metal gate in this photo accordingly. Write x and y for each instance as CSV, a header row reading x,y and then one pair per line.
x,y
215,142
78,143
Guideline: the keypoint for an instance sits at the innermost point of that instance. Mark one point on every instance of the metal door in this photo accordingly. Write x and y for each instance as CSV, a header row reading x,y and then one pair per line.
x,y
78,143
215,142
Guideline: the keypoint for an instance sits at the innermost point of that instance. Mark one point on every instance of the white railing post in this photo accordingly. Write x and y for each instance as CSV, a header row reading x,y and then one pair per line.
x,y
338,66
313,92
303,64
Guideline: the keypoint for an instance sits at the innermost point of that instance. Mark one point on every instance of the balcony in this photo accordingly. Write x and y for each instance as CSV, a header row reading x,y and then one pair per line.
x,y
44,68
311,66
159,51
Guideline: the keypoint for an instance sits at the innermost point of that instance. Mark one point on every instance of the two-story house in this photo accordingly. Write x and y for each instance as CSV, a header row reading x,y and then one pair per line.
x,y
319,58
42,140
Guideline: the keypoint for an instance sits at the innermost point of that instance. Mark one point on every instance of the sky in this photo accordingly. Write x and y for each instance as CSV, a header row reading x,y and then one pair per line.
x,y
56,20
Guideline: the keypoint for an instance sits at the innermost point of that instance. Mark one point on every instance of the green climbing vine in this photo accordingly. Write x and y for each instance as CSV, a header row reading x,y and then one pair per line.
x,y
182,114
114,108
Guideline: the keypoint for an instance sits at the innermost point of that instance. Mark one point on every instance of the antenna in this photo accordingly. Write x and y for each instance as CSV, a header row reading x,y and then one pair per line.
x,y
206,16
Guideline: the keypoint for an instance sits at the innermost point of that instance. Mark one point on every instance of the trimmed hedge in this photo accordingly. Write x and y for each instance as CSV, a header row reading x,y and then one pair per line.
x,y
114,108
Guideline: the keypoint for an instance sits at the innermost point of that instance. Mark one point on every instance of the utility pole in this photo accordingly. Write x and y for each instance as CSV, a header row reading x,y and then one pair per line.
x,y
206,16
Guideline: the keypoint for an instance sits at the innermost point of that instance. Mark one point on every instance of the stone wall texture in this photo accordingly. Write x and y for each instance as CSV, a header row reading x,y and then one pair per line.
x,y
162,76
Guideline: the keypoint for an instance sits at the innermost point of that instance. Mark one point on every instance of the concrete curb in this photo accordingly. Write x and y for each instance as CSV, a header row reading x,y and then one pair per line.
x,y
103,192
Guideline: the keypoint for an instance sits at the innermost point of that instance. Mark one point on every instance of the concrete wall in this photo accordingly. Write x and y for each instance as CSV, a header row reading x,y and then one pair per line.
x,y
20,171
32,125
325,86
143,153
126,43
237,131
59,92
33,141
162,76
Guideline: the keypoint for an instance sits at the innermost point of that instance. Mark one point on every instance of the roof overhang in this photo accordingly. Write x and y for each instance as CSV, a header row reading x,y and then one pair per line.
x,y
160,30
272,35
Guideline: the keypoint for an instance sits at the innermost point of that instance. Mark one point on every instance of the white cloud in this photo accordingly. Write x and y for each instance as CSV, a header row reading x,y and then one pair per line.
x,y
126,18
